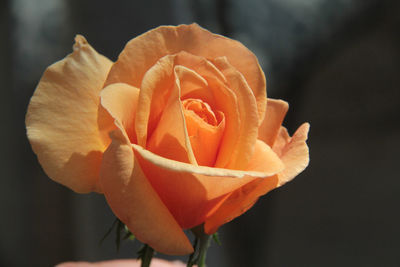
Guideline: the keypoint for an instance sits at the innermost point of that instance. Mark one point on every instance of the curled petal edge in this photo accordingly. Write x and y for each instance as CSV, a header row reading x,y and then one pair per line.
x,y
203,170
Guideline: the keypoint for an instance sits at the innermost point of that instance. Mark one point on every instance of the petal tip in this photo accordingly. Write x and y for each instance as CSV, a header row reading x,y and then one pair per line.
x,y
303,130
80,41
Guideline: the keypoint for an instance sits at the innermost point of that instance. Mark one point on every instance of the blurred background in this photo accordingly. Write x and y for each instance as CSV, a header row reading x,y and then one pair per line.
x,y
336,62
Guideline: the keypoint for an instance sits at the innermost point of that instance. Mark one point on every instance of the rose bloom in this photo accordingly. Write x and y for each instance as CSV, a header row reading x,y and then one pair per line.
x,y
176,133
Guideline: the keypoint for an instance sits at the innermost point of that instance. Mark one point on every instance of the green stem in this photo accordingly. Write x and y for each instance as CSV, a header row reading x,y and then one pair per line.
x,y
204,244
147,256
192,260
201,244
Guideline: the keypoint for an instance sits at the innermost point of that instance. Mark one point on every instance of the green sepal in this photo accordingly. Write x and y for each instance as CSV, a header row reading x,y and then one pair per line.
x,y
215,237
119,227
108,231
128,234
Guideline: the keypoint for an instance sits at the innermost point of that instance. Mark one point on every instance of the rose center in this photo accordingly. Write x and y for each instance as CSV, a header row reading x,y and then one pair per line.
x,y
205,128
202,110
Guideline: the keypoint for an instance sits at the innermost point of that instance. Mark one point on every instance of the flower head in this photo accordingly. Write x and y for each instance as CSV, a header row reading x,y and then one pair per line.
x,y
176,133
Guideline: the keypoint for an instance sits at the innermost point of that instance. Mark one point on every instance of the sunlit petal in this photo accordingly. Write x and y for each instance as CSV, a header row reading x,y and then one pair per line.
x,y
62,121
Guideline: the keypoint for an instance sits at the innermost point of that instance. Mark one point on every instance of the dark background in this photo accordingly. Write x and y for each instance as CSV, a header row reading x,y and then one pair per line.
x,y
336,62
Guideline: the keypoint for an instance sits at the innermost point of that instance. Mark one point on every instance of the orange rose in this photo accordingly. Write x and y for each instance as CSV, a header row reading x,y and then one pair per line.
x,y
177,133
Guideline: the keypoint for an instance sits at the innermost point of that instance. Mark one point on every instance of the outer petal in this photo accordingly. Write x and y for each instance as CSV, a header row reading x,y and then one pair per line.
x,y
293,151
270,126
240,200
62,119
133,200
145,50
120,100
192,192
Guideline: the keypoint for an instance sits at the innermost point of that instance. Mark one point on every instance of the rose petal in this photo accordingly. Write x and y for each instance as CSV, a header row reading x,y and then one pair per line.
x,y
169,137
193,85
133,200
145,50
239,201
226,102
191,192
265,159
70,149
204,138
293,151
247,107
152,110
192,72
120,100
274,115
222,99
154,94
